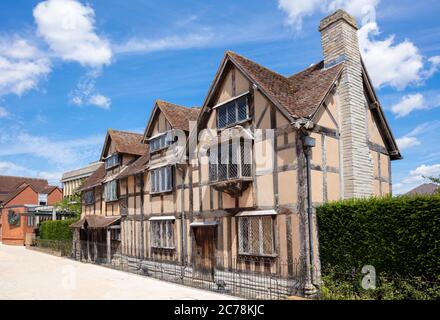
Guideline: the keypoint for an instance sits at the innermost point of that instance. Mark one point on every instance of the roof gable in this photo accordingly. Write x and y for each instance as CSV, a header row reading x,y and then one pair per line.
x,y
124,142
177,116
297,96
379,117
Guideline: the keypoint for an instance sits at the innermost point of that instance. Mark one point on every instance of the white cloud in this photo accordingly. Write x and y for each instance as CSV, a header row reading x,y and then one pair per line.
x,y
68,27
136,45
8,168
407,142
416,177
85,92
298,9
59,152
3,112
22,66
409,103
100,101
389,63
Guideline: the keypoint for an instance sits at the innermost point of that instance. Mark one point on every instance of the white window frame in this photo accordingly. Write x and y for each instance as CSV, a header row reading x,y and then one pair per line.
x,y
260,231
161,179
111,191
42,199
165,231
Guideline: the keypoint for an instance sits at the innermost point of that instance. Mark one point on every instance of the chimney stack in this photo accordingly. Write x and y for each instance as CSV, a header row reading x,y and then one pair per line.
x,y
340,44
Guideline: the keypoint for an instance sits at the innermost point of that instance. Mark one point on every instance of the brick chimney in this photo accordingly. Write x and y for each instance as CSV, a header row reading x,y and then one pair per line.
x,y
340,44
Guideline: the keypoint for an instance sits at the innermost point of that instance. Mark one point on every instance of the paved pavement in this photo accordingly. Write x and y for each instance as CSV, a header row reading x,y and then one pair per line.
x,y
28,274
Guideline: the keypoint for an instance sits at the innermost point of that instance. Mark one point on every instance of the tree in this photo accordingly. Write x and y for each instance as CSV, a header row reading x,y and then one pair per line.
x,y
72,204
436,180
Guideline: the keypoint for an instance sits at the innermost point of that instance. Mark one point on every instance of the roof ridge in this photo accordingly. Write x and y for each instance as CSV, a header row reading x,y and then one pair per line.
x,y
258,64
124,131
21,177
304,70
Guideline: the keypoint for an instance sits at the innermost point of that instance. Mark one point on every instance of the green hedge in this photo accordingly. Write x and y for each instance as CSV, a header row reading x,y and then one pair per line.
x,y
57,230
396,235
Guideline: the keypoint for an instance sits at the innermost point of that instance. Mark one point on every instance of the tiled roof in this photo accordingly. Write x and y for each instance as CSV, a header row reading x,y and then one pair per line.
x,y
301,94
424,189
10,185
136,167
127,142
95,179
178,116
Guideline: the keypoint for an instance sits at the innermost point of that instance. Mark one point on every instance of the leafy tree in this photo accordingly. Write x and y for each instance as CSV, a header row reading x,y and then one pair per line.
x,y
72,204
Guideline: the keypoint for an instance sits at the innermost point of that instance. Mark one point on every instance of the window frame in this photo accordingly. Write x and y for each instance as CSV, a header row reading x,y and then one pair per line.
x,y
225,107
165,230
111,165
167,137
115,192
89,200
213,168
158,180
261,231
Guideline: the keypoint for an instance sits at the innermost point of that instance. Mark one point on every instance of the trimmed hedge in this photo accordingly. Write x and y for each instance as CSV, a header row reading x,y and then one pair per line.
x,y
57,229
396,235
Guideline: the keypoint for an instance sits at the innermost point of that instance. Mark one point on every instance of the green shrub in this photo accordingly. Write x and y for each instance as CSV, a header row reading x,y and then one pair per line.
x,y
396,235
57,229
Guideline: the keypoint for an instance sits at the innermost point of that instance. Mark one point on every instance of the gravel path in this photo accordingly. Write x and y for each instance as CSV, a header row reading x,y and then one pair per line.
x,y
27,274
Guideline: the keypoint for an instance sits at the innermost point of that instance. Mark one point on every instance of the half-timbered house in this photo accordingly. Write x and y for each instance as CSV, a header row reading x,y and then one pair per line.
x,y
232,186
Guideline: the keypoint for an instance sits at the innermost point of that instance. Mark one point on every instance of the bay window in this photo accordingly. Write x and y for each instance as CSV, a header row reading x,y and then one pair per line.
x,y
230,160
160,142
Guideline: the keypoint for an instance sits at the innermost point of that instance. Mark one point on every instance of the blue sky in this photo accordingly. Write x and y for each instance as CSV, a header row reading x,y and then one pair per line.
x,y
71,69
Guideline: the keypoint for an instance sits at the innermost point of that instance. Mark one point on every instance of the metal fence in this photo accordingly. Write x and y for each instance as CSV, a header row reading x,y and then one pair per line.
x,y
245,277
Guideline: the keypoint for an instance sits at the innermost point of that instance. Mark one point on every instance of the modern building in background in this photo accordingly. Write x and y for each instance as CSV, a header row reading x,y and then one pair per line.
x,y
72,180
17,196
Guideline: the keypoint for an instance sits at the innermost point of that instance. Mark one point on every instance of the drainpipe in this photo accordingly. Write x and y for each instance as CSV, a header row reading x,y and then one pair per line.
x,y
142,215
182,218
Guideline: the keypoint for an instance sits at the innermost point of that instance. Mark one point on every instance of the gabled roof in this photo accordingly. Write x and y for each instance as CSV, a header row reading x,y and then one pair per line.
x,y
296,96
178,116
136,167
124,142
424,189
10,185
95,179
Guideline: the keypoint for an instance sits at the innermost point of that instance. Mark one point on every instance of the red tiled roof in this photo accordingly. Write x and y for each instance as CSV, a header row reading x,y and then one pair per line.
x,y
301,94
178,116
10,185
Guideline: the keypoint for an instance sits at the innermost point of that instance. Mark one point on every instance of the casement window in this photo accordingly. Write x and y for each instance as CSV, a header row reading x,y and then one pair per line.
x,y
42,199
256,235
160,142
112,161
89,197
161,179
232,112
230,160
162,234
110,191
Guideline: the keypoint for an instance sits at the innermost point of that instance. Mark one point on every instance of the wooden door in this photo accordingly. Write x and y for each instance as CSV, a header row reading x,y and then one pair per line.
x,y
204,252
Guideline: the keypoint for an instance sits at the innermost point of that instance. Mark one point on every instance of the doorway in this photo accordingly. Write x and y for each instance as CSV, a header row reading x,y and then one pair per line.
x,y
204,252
